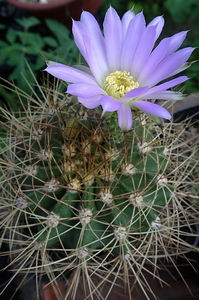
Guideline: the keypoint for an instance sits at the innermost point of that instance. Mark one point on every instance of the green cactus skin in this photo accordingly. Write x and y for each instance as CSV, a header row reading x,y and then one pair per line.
x,y
69,172
76,182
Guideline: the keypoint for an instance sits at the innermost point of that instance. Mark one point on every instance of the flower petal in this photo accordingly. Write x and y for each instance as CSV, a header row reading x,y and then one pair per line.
x,y
126,19
125,119
85,90
131,41
154,59
94,46
159,21
166,47
99,71
90,102
110,104
135,93
83,68
79,32
182,68
113,39
143,50
150,94
176,41
165,95
69,74
168,66
152,108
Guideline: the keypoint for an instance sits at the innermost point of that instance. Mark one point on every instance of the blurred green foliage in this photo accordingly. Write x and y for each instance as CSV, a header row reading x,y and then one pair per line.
x,y
27,45
183,10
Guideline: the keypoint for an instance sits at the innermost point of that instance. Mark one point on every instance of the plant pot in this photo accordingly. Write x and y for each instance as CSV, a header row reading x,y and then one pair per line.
x,y
61,10
185,107
187,113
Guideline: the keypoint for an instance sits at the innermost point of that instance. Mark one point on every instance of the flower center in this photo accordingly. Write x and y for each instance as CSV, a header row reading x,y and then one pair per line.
x,y
117,84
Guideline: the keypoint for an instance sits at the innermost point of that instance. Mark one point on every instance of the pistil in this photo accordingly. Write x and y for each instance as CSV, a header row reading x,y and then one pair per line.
x,y
119,83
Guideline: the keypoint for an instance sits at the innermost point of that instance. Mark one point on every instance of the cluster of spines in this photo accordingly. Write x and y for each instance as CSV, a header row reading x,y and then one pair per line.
x,y
83,189
72,183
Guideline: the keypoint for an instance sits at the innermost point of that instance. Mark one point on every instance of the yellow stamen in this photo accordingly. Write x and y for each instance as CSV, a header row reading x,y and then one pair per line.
x,y
117,84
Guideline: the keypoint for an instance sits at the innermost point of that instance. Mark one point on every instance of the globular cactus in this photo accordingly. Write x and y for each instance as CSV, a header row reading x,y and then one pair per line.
x,y
80,195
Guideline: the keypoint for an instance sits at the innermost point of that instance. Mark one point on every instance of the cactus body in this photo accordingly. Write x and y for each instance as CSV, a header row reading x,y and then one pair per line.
x,y
74,182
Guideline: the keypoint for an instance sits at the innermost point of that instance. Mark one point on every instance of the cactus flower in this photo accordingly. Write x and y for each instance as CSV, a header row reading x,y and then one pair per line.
x,y
125,70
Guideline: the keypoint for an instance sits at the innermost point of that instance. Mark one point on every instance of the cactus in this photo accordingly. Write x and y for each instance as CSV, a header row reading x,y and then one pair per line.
x,y
81,196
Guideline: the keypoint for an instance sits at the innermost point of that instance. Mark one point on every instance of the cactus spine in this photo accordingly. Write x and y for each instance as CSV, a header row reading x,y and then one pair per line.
x,y
79,195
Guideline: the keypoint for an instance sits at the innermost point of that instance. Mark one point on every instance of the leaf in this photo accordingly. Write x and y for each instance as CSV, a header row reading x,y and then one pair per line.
x,y
2,45
50,41
15,59
40,63
182,10
3,57
8,56
32,43
31,39
11,35
66,51
2,26
21,74
35,40
26,23
60,31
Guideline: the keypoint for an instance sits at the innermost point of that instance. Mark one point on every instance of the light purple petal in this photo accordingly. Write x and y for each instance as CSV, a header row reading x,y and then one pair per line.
x,y
159,21
130,44
168,66
176,41
152,108
135,93
99,71
125,119
143,50
166,47
182,68
163,87
113,39
164,95
94,46
126,19
96,37
85,90
83,68
157,55
93,31
69,74
110,104
90,102
79,32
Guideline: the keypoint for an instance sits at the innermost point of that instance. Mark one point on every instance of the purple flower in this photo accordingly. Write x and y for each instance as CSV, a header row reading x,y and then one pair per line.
x,y
124,68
